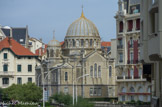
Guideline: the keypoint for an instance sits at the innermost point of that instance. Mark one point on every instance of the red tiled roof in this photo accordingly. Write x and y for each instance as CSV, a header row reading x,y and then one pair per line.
x,y
105,44
17,48
61,43
40,51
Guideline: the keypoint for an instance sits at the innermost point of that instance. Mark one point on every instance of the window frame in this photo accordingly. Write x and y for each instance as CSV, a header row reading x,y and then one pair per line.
x,y
29,68
5,56
19,68
19,80
5,68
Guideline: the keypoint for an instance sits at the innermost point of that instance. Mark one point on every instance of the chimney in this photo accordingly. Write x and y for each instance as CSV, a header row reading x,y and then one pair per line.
x,y
10,33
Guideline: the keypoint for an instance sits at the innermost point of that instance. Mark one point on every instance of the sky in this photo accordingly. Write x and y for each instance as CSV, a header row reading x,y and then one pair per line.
x,y
44,16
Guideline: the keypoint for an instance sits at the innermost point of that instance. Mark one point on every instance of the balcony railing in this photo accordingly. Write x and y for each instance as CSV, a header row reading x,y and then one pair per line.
x,y
120,47
6,73
120,61
129,30
121,30
130,78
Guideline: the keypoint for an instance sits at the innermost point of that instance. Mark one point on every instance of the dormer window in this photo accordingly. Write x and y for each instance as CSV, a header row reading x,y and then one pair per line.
x,y
21,40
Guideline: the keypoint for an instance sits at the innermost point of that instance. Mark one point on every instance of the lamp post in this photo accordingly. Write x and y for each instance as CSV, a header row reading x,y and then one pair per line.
x,y
45,79
76,85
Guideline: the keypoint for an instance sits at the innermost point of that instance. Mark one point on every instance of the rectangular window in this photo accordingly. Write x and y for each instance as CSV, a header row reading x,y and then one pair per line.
x,y
99,92
131,58
66,76
29,79
130,25
5,56
91,91
95,91
66,90
29,68
19,80
120,57
5,81
138,24
5,67
82,42
19,68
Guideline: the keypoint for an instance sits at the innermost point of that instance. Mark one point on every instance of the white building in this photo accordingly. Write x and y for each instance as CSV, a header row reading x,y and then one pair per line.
x,y
35,44
17,64
132,85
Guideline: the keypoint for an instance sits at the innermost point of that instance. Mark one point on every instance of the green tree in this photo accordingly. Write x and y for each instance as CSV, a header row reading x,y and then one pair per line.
x,y
67,100
26,92
62,98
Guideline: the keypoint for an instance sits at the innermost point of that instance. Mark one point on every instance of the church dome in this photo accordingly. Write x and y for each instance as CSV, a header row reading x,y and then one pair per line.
x,y
82,27
54,43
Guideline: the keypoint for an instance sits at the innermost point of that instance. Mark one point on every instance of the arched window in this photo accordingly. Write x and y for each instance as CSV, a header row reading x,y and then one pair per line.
x,y
66,76
149,90
73,43
95,70
91,42
123,90
91,71
110,71
51,53
82,42
140,96
99,71
132,90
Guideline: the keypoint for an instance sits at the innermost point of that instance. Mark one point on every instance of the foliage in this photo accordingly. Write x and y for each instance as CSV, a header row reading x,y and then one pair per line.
x,y
67,100
82,102
26,92
62,98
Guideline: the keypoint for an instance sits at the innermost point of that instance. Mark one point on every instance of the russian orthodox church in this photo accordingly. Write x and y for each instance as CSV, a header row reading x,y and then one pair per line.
x,y
80,63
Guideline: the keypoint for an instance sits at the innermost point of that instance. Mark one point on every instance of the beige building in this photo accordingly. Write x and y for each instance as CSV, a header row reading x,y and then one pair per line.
x,y
130,81
151,42
80,55
17,64
35,44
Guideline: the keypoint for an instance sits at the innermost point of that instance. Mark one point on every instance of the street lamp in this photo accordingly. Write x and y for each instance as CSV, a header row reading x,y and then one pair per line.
x,y
45,79
76,84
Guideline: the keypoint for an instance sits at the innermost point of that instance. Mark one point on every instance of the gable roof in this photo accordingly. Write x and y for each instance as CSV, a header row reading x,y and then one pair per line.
x,y
105,44
19,34
16,48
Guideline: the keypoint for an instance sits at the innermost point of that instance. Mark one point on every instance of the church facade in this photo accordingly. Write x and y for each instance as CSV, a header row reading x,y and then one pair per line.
x,y
80,63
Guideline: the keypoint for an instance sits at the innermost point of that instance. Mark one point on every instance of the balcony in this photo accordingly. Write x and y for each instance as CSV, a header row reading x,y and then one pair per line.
x,y
131,46
120,47
129,79
6,74
120,61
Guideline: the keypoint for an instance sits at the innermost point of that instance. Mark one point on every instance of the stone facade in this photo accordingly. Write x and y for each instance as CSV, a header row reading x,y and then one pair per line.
x,y
80,56
130,81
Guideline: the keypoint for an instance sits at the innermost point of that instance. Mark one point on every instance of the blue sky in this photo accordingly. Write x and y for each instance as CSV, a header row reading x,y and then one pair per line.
x,y
43,16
